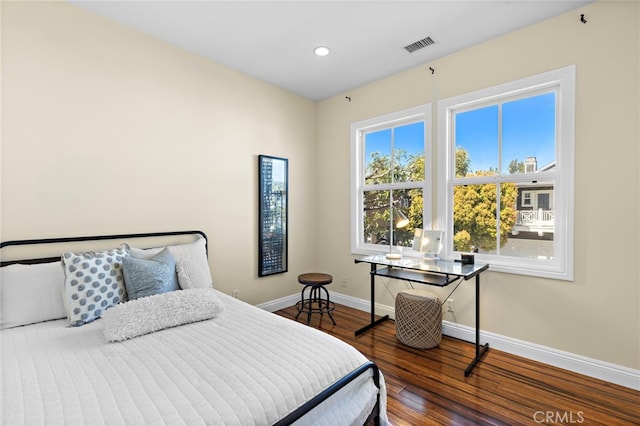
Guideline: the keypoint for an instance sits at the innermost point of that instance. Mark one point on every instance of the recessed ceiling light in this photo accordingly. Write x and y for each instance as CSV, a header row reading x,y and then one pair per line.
x,y
321,50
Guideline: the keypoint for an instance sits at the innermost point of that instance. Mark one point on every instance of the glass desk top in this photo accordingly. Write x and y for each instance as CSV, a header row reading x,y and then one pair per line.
x,y
444,267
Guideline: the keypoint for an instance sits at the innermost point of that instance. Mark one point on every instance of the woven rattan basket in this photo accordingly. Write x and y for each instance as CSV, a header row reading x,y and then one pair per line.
x,y
418,319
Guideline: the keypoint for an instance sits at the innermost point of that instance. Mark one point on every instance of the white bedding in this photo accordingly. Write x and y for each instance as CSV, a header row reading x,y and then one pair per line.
x,y
245,367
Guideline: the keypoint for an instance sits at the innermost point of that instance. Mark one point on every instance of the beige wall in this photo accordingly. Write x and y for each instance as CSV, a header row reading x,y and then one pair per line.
x,y
105,130
596,315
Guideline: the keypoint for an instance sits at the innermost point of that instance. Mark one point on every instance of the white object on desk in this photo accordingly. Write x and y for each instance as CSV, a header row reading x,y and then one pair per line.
x,y
429,242
394,255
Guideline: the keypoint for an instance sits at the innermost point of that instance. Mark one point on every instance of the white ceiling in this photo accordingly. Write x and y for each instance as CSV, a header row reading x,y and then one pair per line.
x,y
274,40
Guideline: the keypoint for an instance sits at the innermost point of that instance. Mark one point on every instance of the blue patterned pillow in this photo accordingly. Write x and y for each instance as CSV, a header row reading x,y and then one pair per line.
x,y
93,282
146,277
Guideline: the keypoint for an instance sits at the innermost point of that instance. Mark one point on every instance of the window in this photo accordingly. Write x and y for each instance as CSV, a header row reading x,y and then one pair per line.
x,y
390,176
505,175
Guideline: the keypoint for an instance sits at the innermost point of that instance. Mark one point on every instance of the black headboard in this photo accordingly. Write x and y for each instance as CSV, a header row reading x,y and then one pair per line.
x,y
87,238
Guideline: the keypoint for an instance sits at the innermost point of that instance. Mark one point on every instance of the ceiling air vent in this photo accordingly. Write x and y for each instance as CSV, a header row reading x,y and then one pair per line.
x,y
420,44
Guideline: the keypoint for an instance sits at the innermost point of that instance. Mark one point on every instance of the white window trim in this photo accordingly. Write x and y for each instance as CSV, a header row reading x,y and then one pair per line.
x,y
422,112
564,79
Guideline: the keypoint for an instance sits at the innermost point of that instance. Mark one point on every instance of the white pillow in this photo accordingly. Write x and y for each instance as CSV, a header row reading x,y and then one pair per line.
x,y
145,254
196,253
192,275
160,311
31,294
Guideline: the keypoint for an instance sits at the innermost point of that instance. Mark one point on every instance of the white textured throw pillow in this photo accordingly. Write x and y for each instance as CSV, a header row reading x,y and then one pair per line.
x,y
160,311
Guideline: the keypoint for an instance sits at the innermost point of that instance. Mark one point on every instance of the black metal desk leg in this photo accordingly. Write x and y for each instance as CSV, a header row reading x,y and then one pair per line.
x,y
480,350
373,321
372,280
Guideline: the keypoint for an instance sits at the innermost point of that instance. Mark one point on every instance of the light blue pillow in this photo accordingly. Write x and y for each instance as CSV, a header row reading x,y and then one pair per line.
x,y
146,277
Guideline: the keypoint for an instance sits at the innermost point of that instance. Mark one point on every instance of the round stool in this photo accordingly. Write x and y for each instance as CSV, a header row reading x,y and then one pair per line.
x,y
316,300
418,319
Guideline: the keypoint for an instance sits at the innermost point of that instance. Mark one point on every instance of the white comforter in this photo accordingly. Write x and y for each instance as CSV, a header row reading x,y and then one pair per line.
x,y
244,367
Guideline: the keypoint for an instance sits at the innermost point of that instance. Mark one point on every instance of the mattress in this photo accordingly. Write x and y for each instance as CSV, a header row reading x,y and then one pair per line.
x,y
244,367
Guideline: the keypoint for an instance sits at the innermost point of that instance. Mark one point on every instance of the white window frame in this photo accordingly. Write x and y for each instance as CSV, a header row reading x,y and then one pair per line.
x,y
526,201
563,81
358,129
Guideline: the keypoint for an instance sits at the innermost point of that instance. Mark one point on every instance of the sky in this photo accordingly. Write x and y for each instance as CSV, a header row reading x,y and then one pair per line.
x,y
409,138
528,130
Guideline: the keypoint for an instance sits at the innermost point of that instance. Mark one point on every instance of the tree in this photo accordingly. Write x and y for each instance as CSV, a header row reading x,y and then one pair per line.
x,y
474,215
377,218
462,241
516,166
474,209
416,203
376,202
462,162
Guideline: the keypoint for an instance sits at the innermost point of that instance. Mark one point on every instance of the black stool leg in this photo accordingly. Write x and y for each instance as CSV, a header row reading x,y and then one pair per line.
x,y
317,297
310,307
302,305
328,305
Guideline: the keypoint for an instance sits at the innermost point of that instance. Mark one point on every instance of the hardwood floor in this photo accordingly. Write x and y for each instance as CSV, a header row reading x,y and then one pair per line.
x,y
428,387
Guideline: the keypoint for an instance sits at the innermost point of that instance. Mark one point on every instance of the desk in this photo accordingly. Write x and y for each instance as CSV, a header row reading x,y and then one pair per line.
x,y
439,273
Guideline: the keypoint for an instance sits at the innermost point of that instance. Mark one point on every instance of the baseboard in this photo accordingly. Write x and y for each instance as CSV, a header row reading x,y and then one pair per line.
x,y
283,302
603,370
609,372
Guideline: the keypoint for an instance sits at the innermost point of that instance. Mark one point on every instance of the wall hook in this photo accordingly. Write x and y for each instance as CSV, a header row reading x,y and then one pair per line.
x,y
432,70
584,21
348,98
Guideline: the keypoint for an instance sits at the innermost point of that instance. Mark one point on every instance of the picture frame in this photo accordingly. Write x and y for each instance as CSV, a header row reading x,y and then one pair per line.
x,y
273,200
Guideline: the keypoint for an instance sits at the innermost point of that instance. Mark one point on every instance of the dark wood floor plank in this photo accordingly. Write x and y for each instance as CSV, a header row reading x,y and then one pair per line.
x,y
428,387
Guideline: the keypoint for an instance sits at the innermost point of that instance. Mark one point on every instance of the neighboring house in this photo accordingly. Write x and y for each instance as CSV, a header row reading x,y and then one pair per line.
x,y
535,218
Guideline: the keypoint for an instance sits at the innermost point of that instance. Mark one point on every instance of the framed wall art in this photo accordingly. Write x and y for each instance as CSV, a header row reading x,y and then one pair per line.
x,y
272,223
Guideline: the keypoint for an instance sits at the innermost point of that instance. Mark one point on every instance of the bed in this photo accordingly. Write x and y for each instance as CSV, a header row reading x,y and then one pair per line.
x,y
190,355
